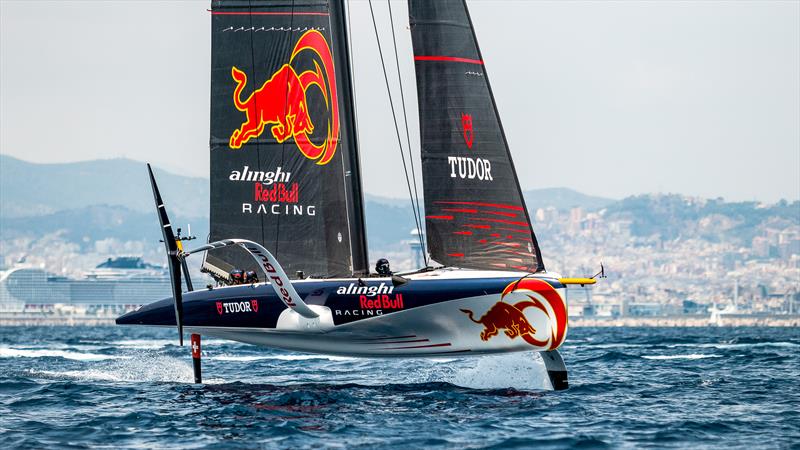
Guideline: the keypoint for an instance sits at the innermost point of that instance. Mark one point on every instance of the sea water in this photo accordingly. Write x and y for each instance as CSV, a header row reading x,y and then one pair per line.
x,y
629,387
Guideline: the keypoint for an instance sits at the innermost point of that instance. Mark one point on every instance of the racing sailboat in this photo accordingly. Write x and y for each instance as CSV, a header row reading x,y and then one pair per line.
x,y
286,201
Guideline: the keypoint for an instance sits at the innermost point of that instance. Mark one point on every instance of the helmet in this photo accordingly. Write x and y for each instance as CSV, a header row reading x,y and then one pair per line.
x,y
382,267
237,276
250,277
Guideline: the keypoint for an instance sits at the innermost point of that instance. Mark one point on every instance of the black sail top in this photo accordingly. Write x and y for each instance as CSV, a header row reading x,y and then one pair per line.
x,y
284,163
475,213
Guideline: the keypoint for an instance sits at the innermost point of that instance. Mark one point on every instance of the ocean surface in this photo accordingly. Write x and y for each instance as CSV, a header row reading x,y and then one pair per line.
x,y
120,387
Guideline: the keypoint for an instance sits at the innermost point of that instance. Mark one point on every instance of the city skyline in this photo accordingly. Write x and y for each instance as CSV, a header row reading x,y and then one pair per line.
x,y
624,98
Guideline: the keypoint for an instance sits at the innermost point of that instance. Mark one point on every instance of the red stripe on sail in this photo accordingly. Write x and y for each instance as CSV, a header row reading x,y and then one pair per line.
x,y
515,230
465,233
507,244
510,222
456,255
500,213
482,227
440,217
490,205
464,210
512,259
448,59
266,13
515,252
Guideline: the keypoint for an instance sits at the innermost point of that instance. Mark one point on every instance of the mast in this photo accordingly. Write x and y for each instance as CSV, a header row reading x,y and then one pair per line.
x,y
284,158
475,212
358,226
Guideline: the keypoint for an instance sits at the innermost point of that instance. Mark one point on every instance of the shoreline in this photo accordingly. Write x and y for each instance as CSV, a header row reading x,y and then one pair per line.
x,y
734,320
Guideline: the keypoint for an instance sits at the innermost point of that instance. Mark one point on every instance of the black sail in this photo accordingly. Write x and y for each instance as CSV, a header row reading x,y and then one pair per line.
x,y
475,212
284,162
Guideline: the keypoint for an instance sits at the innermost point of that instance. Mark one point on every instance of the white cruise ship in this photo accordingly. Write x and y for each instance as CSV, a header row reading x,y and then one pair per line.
x,y
121,283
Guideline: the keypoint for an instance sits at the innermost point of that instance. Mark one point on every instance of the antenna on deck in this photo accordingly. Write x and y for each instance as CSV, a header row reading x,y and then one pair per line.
x,y
178,236
179,242
601,274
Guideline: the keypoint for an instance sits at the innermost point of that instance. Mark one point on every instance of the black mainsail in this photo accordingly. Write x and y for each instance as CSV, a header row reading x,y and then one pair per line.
x,y
475,212
284,162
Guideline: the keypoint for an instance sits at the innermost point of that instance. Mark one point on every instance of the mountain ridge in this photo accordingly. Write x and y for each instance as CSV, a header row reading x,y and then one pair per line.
x,y
122,182
103,199
32,189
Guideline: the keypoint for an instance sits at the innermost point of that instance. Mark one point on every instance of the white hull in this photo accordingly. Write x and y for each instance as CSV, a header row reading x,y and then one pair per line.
x,y
426,331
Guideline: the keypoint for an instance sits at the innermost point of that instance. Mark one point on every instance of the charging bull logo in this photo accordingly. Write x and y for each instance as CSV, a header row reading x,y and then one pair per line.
x,y
503,315
511,317
281,102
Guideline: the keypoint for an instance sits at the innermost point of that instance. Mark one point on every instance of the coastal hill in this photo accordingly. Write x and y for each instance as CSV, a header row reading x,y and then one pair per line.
x,y
91,200
30,189
88,201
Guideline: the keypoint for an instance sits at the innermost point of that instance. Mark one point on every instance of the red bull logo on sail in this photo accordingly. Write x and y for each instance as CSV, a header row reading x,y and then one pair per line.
x,y
281,102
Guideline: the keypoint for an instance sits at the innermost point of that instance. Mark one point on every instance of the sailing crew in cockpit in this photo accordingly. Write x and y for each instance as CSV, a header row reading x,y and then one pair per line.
x,y
382,267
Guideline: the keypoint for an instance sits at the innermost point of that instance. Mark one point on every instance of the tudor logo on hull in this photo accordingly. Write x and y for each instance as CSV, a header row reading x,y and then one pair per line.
x,y
237,307
281,103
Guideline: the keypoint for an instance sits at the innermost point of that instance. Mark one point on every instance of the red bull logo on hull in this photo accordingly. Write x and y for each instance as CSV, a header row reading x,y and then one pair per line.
x,y
512,319
282,104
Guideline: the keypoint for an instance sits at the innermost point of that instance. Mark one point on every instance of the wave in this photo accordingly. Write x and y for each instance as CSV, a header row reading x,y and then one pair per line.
x,y
670,357
723,346
159,369
276,357
161,343
502,371
84,375
614,345
10,352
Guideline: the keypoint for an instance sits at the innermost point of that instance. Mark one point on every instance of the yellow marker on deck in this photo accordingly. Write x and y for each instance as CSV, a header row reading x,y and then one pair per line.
x,y
581,281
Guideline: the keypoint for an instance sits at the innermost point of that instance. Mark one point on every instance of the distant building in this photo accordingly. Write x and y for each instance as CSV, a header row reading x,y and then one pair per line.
x,y
417,250
760,247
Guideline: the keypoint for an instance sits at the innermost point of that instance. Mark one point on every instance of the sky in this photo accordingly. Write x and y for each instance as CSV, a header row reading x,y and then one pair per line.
x,y
608,98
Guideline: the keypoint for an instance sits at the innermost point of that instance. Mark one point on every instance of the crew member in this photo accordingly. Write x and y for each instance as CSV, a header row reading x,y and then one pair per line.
x,y
237,276
250,277
382,267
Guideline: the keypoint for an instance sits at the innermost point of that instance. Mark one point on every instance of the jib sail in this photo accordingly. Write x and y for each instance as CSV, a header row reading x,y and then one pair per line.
x,y
475,212
284,164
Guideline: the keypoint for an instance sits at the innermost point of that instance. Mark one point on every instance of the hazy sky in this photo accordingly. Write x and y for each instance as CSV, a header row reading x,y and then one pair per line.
x,y
609,98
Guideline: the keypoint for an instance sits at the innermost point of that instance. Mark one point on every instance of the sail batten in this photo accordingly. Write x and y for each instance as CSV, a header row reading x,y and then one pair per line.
x,y
475,213
284,158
